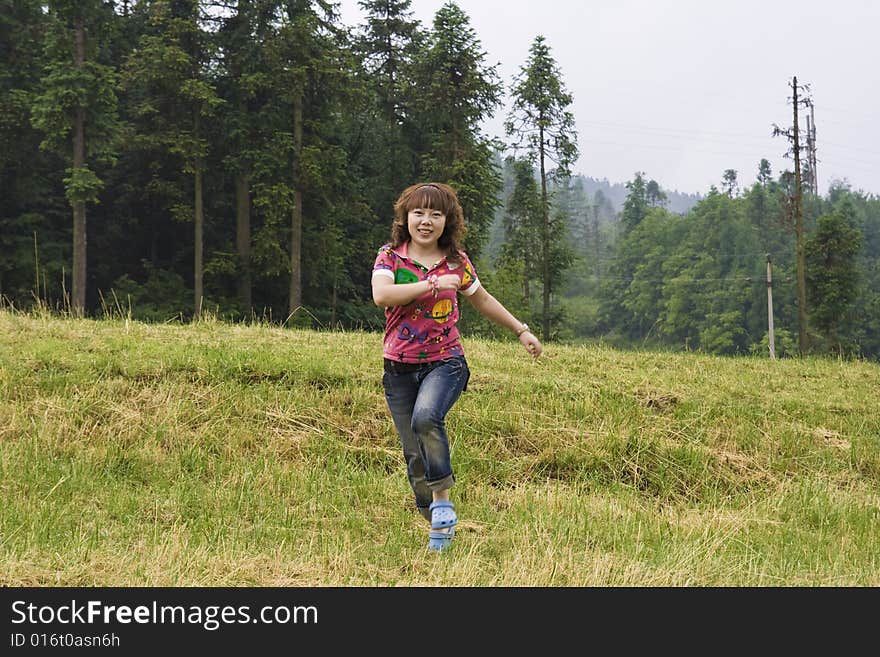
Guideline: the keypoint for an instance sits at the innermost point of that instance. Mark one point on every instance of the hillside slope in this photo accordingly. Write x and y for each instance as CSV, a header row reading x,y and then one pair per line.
x,y
215,454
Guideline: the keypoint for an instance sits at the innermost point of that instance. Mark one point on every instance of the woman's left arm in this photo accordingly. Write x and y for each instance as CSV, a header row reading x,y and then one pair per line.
x,y
494,310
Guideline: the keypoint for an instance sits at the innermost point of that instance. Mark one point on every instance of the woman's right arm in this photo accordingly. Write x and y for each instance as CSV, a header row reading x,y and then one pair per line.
x,y
387,293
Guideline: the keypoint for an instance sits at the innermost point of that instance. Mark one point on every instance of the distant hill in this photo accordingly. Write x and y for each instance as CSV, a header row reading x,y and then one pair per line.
x,y
606,197
616,194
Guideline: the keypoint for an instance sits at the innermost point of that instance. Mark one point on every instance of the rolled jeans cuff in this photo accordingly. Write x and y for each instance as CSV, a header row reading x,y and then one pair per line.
x,y
441,484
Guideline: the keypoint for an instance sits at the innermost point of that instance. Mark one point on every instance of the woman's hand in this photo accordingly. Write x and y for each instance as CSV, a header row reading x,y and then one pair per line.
x,y
528,340
448,282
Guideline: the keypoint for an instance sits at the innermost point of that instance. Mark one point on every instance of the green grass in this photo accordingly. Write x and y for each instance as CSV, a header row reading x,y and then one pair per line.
x,y
228,455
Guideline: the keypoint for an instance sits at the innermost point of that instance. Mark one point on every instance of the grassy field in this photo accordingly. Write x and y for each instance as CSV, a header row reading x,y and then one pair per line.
x,y
228,455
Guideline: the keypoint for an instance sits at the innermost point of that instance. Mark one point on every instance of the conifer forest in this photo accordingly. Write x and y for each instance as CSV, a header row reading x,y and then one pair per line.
x,y
166,159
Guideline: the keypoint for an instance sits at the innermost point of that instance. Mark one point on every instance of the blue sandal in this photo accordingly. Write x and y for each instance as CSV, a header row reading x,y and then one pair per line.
x,y
443,514
439,541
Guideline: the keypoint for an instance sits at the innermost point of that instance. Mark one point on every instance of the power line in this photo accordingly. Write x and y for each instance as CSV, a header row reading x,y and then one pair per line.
x,y
854,159
664,148
674,132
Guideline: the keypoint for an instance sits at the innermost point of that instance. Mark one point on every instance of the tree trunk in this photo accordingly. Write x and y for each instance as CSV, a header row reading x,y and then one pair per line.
x,y
199,221
333,305
199,239
545,244
243,239
244,282
295,297
799,234
78,290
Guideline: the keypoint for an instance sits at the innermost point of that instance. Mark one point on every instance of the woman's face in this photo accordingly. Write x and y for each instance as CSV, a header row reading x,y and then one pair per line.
x,y
426,226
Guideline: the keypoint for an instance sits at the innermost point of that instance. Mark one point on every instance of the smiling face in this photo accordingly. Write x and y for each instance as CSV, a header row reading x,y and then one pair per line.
x,y
425,226
420,208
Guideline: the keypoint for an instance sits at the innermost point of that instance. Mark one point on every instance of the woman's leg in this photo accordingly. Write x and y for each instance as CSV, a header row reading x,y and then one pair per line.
x,y
400,394
440,388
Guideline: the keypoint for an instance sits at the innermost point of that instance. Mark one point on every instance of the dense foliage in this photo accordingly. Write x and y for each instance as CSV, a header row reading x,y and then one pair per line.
x,y
241,158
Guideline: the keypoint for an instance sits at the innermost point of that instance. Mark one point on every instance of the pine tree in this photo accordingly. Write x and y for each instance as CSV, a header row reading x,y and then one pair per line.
x,y
309,79
832,271
541,123
28,205
635,208
454,92
173,99
522,219
765,173
243,87
655,197
387,44
76,110
384,143
729,183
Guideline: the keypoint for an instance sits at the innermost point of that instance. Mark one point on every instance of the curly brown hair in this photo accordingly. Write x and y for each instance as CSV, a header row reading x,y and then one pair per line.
x,y
431,196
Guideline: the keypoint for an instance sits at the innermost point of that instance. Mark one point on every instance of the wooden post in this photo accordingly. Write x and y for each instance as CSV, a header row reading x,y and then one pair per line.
x,y
813,150
799,230
770,309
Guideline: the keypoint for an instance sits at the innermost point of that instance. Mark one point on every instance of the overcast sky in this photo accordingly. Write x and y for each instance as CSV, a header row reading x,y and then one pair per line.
x,y
684,89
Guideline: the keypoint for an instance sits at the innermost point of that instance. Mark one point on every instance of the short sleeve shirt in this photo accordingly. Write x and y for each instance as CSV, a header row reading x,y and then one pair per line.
x,y
424,330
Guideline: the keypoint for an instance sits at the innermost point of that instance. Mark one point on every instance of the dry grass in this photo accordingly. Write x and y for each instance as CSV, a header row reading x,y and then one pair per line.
x,y
212,454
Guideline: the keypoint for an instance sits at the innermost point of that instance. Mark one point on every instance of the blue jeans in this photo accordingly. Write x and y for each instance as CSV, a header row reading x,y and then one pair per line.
x,y
419,396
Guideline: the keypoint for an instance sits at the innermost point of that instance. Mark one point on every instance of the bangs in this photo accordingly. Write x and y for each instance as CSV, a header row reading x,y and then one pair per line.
x,y
430,197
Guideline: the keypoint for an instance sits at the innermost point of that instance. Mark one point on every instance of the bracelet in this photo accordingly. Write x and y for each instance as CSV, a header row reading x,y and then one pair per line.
x,y
522,329
432,284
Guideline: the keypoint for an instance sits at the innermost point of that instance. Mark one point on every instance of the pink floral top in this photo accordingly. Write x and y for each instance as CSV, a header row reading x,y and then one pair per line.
x,y
424,330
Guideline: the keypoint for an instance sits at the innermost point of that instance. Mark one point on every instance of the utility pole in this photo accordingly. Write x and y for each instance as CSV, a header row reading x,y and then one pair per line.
x,y
799,228
770,310
810,157
811,147
797,209
812,124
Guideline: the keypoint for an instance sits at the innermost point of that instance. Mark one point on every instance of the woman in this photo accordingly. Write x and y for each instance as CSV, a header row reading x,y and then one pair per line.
x,y
417,278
